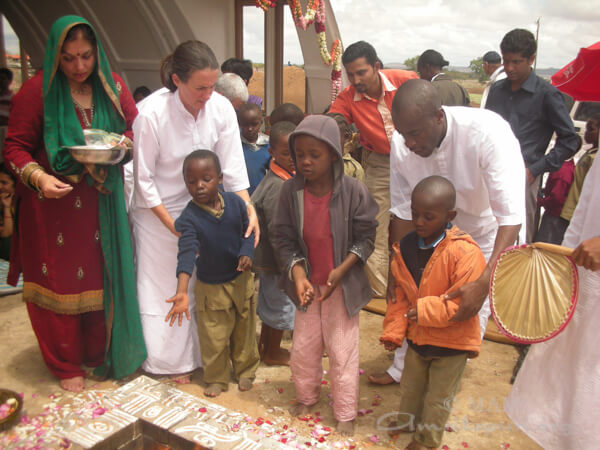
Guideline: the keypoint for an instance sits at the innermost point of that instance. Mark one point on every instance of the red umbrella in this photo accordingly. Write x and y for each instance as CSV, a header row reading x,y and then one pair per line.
x,y
581,77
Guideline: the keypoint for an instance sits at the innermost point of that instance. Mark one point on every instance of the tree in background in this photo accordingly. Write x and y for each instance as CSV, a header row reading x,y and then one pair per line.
x,y
411,63
476,66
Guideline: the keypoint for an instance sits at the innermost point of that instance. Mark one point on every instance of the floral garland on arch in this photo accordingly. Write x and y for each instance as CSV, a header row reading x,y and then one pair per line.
x,y
315,13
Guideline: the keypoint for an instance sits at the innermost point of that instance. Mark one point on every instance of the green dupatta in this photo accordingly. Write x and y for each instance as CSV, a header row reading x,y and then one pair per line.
x,y
125,348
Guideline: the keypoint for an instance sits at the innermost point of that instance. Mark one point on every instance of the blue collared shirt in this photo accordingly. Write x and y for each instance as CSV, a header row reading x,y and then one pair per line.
x,y
535,111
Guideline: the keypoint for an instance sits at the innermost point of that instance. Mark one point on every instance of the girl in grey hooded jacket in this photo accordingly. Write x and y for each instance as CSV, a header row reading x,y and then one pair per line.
x,y
327,314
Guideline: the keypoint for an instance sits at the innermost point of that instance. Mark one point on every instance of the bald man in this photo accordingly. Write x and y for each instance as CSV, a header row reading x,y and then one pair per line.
x,y
477,151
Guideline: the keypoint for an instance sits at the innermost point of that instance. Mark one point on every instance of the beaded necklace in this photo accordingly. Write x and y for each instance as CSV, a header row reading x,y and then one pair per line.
x,y
87,122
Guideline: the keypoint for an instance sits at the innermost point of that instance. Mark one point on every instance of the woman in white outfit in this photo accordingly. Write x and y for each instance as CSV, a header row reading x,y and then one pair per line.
x,y
184,116
556,396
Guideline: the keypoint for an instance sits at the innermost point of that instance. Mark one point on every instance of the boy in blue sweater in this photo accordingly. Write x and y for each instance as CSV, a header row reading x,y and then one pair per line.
x,y
212,228
254,143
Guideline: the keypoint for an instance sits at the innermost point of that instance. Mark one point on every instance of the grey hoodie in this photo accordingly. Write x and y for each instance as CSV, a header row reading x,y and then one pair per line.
x,y
352,212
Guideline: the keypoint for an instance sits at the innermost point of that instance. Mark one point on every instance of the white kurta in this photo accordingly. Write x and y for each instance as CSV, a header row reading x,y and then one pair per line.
x,y
556,396
498,75
482,158
165,133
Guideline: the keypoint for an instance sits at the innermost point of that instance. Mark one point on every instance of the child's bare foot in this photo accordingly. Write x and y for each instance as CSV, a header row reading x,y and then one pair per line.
x,y
282,358
414,445
213,390
182,378
299,409
394,430
245,384
345,428
381,378
75,384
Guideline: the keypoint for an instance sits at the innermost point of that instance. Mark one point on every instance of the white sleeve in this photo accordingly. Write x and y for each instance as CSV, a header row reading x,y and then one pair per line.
x,y
573,236
230,153
145,154
400,190
503,171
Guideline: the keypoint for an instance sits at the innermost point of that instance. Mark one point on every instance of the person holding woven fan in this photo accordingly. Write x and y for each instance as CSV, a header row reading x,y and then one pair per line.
x,y
78,272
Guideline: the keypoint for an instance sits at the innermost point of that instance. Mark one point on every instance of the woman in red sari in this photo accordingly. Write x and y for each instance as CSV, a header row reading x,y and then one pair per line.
x,y
71,239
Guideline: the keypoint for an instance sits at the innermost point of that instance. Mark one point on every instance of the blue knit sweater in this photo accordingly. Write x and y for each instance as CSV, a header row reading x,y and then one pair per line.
x,y
257,164
213,243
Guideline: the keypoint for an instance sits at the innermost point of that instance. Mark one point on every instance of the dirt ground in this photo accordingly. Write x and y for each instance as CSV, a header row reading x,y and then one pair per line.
x,y
477,420
294,81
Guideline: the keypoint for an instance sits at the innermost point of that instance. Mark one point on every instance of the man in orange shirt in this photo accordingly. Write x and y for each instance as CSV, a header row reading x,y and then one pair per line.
x,y
367,103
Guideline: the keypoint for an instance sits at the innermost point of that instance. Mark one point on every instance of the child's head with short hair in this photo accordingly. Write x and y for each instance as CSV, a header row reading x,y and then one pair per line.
x,y
315,146
202,176
286,112
591,130
432,205
250,120
278,144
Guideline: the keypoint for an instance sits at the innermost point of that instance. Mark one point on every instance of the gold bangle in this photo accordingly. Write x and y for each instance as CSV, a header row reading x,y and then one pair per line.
x,y
35,182
26,171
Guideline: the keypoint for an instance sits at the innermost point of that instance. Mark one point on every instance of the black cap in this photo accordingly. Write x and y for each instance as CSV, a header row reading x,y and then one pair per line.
x,y
432,58
492,57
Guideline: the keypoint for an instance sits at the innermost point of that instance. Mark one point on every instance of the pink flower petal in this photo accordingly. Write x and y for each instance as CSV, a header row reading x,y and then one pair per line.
x,y
98,412
374,439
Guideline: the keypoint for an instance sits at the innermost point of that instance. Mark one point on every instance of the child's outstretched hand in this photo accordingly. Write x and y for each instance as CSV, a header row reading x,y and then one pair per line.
x,y
244,263
412,314
178,308
389,346
333,280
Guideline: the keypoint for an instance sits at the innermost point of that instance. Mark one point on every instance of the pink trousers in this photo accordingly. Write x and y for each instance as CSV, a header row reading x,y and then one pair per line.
x,y
326,326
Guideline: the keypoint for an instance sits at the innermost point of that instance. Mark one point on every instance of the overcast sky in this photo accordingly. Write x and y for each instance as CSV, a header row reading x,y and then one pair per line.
x,y
461,30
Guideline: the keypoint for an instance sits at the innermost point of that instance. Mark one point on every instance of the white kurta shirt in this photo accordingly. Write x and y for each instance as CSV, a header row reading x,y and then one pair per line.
x,y
555,396
165,133
498,75
482,158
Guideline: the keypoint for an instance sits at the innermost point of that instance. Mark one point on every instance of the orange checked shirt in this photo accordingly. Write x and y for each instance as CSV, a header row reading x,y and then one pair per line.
x,y
373,117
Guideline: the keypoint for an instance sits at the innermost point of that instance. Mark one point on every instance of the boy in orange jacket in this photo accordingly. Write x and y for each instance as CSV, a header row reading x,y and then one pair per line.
x,y
435,259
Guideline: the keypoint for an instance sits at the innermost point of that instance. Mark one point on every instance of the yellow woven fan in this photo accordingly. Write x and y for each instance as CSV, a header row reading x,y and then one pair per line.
x,y
533,291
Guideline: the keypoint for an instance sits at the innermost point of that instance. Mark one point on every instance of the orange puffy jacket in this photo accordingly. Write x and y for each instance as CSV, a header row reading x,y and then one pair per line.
x,y
456,261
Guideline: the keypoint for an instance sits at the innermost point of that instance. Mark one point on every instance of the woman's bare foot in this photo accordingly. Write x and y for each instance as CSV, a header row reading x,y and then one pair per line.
x,y
381,378
182,378
245,384
75,384
281,358
299,409
345,428
213,390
